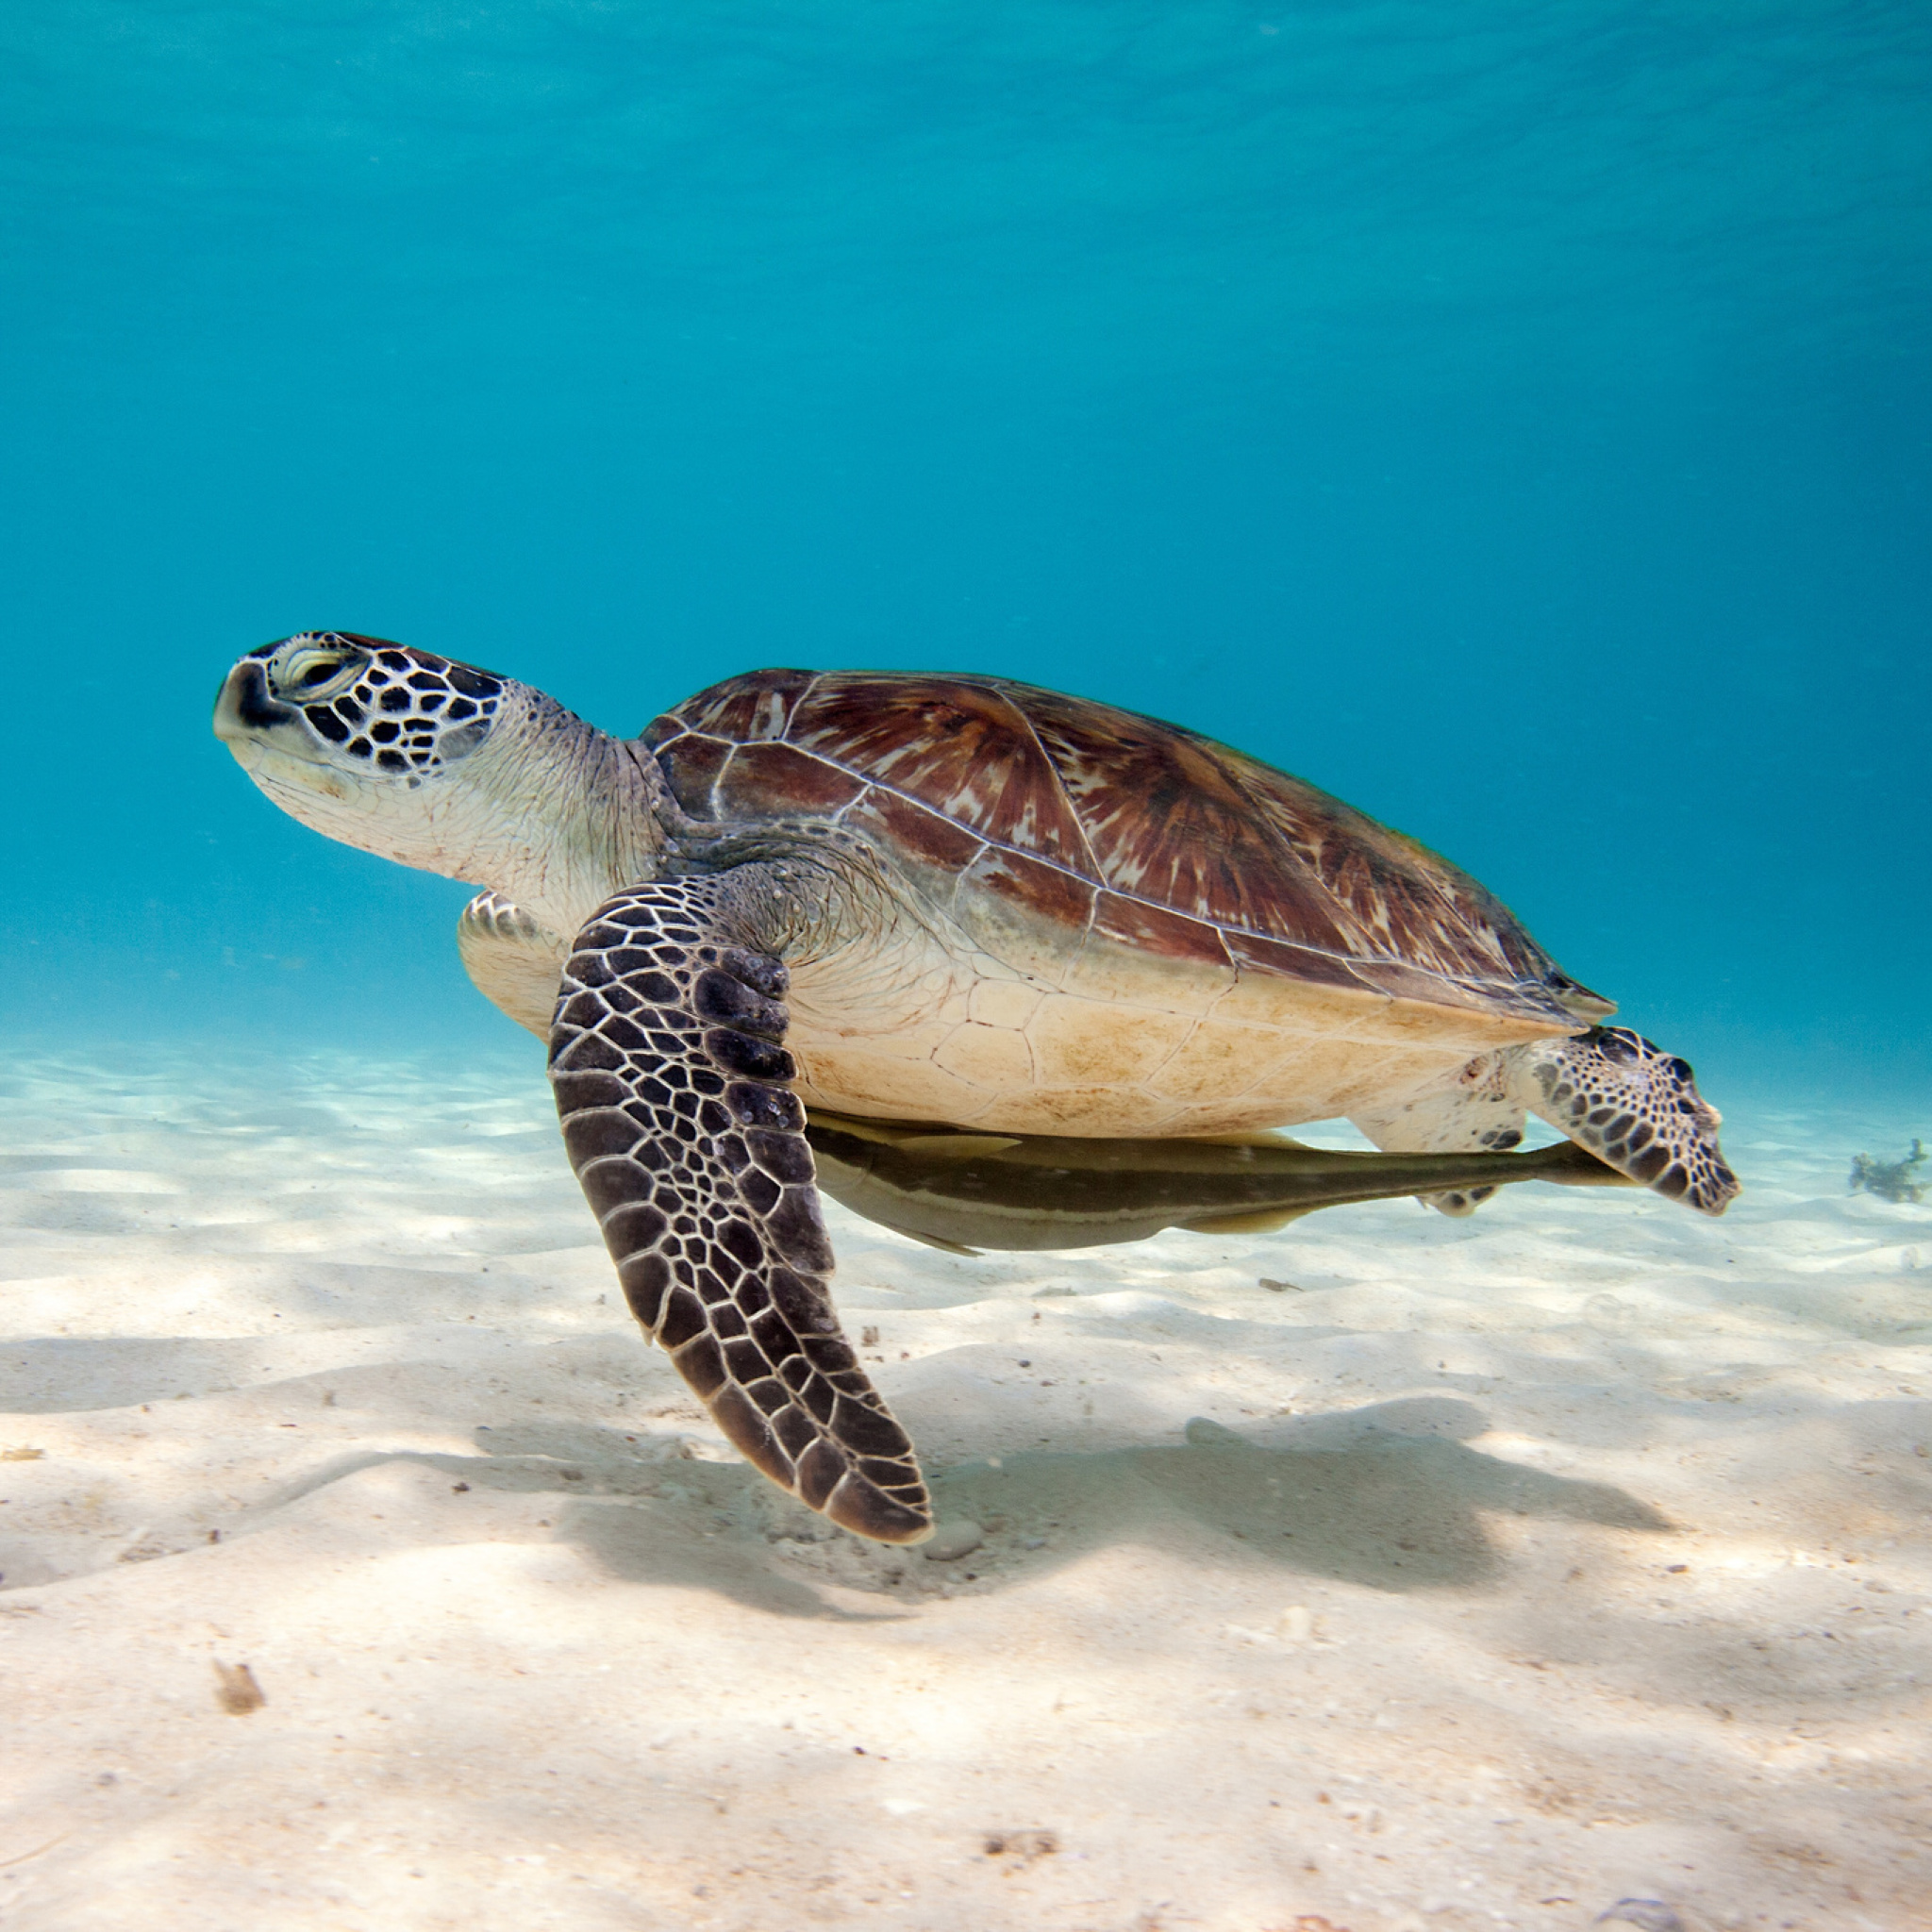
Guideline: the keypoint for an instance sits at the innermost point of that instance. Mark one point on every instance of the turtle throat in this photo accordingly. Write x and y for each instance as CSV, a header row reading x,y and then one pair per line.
x,y
548,812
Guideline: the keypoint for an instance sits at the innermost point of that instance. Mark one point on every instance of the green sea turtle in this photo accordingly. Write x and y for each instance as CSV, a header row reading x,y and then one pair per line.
x,y
949,900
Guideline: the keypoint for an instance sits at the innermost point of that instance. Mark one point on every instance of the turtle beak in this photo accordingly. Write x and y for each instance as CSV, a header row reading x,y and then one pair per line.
x,y
244,712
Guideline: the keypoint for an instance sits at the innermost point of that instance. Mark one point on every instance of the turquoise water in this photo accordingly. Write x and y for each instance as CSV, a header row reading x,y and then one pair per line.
x,y
1513,418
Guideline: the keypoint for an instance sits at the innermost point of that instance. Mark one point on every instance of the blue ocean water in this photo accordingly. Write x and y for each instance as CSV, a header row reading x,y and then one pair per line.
x,y
1513,418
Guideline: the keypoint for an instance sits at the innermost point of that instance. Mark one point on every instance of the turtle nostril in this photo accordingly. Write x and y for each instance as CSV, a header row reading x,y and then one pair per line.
x,y
244,706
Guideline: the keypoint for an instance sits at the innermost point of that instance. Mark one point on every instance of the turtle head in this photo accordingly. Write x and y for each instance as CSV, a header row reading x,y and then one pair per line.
x,y
426,761
356,709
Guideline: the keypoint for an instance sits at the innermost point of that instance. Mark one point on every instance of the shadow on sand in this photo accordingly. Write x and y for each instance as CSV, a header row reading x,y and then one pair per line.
x,y
1389,1497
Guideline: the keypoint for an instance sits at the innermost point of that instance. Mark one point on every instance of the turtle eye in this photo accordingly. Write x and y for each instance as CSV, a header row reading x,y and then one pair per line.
x,y
316,670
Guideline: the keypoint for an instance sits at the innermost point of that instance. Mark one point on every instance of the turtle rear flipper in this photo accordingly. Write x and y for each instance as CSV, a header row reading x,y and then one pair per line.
x,y
670,1080
1633,1106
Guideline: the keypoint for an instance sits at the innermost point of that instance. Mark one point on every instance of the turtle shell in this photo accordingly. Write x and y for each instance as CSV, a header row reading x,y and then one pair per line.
x,y
1099,819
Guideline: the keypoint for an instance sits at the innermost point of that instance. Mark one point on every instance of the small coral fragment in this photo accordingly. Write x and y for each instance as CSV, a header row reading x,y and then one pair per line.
x,y
1892,1180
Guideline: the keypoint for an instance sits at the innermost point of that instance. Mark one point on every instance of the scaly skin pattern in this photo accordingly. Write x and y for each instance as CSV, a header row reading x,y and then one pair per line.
x,y
670,1083
401,711
1634,1106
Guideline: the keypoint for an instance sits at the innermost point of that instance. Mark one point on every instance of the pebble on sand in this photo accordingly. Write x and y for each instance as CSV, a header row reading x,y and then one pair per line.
x,y
954,1540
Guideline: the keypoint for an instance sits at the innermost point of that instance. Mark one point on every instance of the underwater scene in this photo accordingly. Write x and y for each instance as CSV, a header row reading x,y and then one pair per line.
x,y
1196,735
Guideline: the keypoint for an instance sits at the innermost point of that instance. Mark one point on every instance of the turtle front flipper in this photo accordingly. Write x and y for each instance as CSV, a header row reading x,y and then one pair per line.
x,y
670,1080
1633,1106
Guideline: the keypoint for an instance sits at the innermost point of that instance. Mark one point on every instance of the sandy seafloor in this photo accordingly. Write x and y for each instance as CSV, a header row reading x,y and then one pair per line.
x,y
1491,1572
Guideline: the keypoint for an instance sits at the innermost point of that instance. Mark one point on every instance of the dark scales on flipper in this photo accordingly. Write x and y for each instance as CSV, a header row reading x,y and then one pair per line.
x,y
671,1082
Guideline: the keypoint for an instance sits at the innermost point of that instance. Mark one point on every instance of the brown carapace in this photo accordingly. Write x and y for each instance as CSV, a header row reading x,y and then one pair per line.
x,y
1104,821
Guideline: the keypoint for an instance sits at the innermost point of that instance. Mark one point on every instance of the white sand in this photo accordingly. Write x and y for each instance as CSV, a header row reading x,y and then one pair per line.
x,y
1574,1553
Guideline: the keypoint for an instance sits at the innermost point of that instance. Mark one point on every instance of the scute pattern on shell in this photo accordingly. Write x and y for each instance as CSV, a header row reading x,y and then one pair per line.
x,y
1228,858
669,1072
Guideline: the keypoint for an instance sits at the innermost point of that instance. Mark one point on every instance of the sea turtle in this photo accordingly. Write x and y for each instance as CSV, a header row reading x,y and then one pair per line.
x,y
923,898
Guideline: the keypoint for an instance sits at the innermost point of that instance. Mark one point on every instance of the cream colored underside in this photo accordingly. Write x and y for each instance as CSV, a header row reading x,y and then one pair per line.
x,y
933,1025
1127,1044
